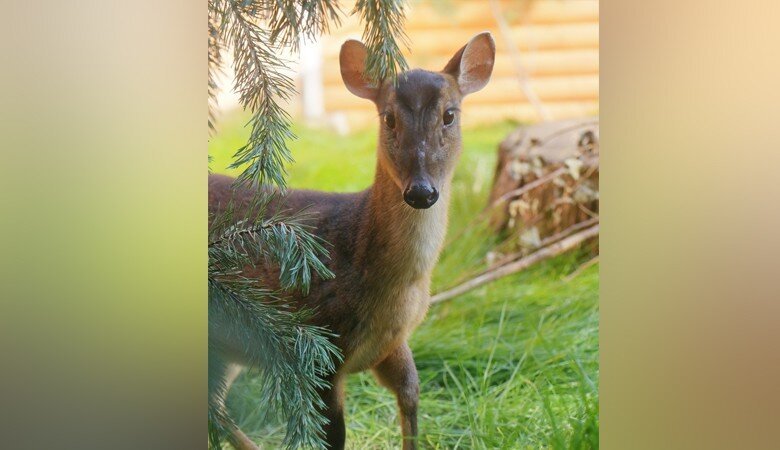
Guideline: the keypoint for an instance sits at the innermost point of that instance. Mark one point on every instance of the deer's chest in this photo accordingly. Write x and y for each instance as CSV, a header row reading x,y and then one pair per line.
x,y
386,326
397,286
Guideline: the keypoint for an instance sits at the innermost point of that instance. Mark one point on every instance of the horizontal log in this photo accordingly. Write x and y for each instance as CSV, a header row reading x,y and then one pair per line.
x,y
528,38
541,63
474,13
525,112
474,115
477,14
505,90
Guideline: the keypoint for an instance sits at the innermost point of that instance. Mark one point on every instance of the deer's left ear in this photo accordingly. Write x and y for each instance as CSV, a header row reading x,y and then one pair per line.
x,y
472,65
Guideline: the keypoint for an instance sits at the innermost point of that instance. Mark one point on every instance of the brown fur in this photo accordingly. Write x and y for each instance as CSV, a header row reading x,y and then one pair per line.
x,y
382,250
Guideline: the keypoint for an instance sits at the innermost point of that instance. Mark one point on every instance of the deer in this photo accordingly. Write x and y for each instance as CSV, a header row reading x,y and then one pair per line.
x,y
385,240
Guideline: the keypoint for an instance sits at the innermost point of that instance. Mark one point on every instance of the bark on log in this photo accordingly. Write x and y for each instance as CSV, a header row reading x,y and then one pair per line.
x,y
546,181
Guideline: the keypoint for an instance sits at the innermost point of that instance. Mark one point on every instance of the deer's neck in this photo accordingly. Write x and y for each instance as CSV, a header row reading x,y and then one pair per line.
x,y
404,241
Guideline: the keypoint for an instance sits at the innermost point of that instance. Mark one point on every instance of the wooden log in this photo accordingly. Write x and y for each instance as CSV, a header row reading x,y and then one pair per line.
x,y
537,64
505,259
530,37
480,113
566,88
546,181
499,91
364,113
476,13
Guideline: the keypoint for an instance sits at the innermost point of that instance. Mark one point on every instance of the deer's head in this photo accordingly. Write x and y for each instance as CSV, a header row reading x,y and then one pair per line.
x,y
420,115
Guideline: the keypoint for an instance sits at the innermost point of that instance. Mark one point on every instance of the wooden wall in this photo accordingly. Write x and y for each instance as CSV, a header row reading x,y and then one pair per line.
x,y
558,43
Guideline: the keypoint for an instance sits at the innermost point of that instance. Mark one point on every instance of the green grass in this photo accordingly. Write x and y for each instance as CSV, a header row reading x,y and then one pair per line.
x,y
511,365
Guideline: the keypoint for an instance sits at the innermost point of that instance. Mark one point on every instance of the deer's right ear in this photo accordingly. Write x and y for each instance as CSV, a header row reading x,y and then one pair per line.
x,y
353,62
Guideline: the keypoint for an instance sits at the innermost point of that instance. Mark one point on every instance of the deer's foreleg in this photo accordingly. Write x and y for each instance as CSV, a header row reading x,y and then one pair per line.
x,y
398,373
335,431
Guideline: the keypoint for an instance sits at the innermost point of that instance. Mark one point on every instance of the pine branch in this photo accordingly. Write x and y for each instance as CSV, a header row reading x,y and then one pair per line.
x,y
383,21
214,66
260,78
294,20
291,358
260,82
284,241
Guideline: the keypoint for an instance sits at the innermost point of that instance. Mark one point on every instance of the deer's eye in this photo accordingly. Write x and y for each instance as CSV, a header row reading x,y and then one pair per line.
x,y
449,117
389,119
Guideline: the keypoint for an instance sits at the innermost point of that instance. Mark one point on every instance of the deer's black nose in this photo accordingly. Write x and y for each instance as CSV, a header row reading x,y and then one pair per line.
x,y
420,195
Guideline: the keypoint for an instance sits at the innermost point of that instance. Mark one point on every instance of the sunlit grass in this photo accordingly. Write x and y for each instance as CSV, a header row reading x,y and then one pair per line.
x,y
511,365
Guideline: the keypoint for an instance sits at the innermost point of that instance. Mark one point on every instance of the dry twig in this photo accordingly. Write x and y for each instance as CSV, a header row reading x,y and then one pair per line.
x,y
546,241
542,254
581,269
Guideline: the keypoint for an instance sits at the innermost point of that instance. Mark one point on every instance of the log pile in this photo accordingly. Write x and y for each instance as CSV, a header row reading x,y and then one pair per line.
x,y
546,182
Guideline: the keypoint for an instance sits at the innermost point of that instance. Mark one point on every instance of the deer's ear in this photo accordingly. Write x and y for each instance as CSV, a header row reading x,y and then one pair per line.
x,y
472,65
353,62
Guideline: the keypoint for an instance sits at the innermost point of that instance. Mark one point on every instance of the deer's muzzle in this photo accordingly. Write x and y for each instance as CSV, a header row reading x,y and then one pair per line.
x,y
420,194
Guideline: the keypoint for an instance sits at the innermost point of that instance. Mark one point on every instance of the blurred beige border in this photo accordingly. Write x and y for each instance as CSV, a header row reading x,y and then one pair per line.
x,y
690,304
